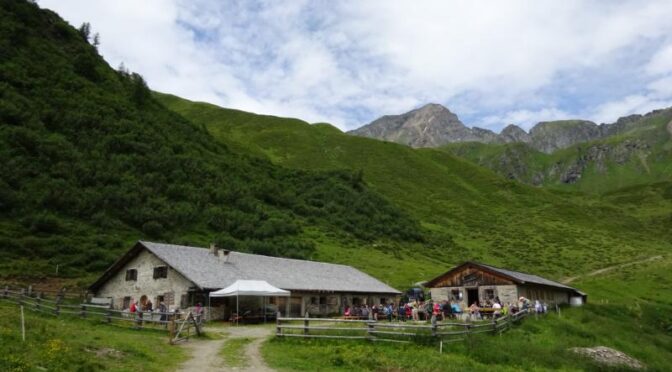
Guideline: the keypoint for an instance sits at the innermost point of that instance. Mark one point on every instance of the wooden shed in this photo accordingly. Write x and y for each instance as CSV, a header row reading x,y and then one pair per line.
x,y
477,282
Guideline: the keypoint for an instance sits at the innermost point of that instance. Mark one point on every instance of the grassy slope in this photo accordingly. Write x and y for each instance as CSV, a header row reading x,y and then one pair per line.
x,y
629,310
488,218
90,162
647,165
70,344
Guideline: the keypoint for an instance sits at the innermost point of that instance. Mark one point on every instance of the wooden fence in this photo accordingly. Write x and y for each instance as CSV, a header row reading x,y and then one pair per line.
x,y
372,330
178,325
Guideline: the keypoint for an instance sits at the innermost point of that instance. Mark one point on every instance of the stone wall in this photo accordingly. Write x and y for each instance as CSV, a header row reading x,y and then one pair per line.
x,y
506,294
174,287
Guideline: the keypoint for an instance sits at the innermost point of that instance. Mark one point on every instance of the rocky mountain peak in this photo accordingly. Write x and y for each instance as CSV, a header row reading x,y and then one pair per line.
x,y
431,125
513,133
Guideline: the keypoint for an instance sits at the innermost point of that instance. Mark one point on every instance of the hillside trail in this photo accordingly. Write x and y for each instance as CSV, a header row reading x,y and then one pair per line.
x,y
205,353
610,268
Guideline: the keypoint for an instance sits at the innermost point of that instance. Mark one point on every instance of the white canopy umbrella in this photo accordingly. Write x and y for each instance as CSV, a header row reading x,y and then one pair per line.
x,y
249,288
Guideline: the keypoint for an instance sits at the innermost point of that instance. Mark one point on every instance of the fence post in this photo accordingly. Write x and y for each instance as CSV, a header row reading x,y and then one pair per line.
x,y
369,330
278,329
108,314
83,312
433,325
305,324
171,330
5,293
494,323
30,290
38,301
57,306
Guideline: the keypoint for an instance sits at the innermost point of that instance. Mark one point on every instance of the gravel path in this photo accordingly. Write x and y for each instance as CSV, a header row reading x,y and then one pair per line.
x,y
205,353
610,268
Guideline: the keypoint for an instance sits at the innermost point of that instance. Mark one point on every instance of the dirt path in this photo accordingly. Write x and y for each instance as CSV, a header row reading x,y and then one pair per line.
x,y
205,353
610,268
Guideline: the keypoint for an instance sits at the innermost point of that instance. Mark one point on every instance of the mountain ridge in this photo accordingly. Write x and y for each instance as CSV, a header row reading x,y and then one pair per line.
x,y
434,125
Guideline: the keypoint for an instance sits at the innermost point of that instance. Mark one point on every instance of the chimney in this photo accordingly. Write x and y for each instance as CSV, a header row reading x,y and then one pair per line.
x,y
224,254
213,249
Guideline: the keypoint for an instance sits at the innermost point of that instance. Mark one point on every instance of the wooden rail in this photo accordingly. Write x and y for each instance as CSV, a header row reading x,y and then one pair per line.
x,y
390,332
56,307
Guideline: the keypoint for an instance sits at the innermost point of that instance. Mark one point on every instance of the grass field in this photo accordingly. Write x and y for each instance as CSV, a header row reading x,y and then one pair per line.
x,y
630,309
71,344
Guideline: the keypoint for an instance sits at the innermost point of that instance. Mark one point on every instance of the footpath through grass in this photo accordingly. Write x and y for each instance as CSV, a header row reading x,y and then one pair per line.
x,y
70,344
233,352
630,310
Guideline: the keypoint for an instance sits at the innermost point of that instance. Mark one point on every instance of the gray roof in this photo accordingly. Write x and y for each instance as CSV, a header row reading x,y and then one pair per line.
x,y
214,272
526,278
516,276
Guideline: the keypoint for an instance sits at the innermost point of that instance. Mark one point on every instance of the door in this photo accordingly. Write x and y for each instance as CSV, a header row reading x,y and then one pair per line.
x,y
282,306
295,306
472,296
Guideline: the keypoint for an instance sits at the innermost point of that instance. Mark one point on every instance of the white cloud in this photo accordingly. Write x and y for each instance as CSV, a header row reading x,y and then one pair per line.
x,y
349,62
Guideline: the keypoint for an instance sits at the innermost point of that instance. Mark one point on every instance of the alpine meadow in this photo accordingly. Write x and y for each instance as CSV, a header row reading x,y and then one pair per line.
x,y
94,158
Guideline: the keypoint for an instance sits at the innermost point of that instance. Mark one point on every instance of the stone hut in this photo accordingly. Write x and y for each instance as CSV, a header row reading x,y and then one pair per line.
x,y
182,276
473,281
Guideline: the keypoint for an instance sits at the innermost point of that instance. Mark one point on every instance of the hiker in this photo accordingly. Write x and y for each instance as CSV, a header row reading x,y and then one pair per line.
x,y
436,310
198,312
387,311
401,312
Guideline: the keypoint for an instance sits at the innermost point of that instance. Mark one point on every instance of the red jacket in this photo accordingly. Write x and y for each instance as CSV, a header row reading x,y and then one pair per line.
x,y
133,308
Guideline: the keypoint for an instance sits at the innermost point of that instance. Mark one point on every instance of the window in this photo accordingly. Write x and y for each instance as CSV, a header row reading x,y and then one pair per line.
x,y
126,303
131,275
323,300
313,300
489,294
160,272
456,295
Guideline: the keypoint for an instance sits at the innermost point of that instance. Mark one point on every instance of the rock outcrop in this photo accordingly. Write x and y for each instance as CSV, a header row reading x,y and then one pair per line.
x,y
608,357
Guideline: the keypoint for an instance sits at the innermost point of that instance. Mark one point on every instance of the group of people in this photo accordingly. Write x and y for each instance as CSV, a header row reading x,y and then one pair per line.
x,y
442,310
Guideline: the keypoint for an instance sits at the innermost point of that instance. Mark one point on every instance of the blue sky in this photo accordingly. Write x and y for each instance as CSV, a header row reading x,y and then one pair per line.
x,y
348,62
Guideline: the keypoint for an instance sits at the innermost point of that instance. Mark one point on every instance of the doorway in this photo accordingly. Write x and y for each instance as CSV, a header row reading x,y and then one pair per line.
x,y
472,296
295,306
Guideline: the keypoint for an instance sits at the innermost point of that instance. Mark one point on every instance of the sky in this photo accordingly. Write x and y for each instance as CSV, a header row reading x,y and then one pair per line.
x,y
348,62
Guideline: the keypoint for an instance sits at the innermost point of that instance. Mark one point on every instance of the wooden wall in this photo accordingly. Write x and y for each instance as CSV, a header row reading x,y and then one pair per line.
x,y
470,277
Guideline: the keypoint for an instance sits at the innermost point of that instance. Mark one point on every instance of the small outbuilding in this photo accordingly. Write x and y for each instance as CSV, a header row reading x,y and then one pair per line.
x,y
477,282
182,276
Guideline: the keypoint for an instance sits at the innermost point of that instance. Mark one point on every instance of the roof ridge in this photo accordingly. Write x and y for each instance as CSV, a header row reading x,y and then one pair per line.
x,y
249,254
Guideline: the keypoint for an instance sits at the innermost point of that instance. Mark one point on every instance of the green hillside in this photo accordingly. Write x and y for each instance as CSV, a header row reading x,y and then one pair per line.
x,y
91,162
639,154
487,217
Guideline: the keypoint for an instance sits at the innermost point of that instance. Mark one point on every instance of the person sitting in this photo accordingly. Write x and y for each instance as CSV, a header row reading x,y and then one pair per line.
x,y
346,312
456,309
475,311
365,312
497,310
